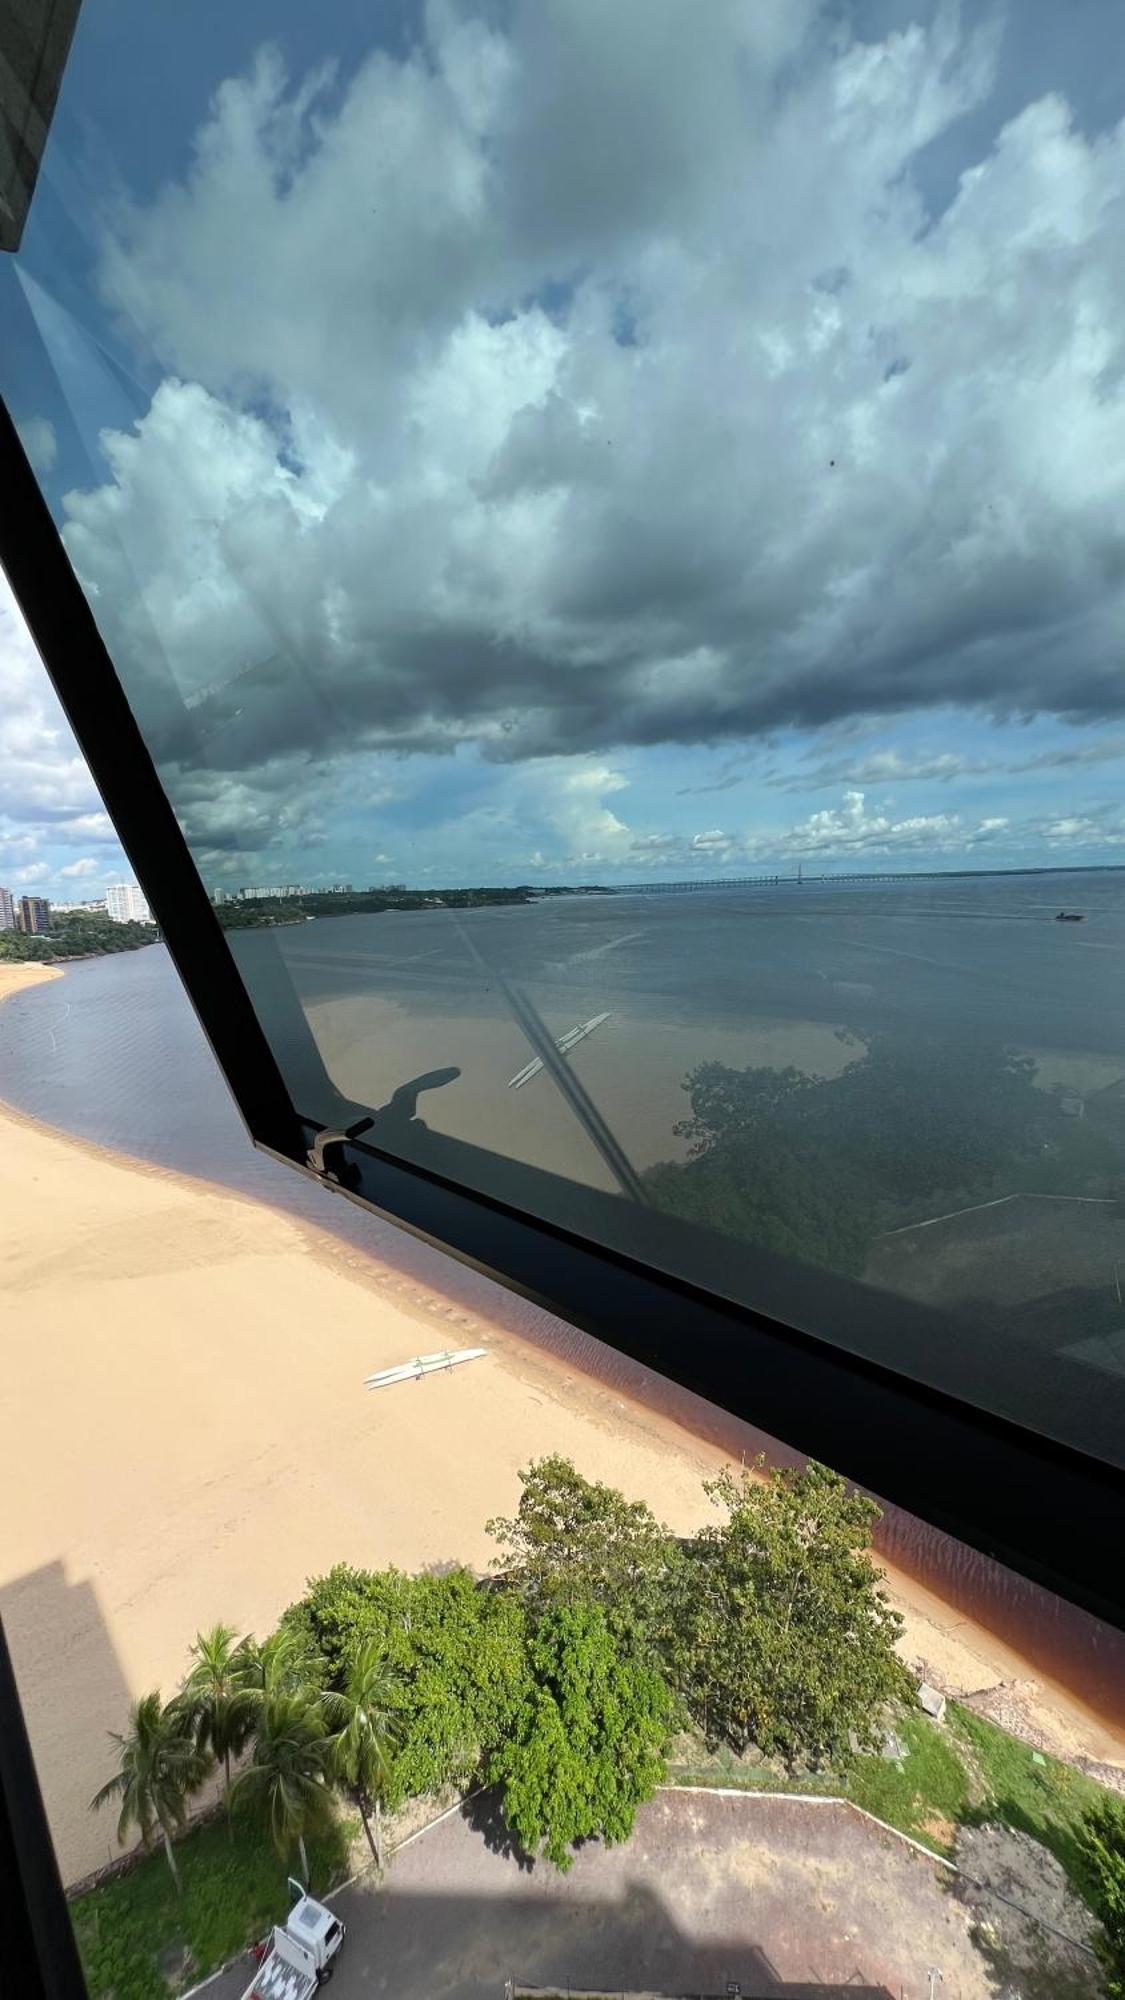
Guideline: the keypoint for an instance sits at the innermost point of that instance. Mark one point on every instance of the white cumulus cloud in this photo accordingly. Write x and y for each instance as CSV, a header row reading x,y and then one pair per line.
x,y
573,380
463,435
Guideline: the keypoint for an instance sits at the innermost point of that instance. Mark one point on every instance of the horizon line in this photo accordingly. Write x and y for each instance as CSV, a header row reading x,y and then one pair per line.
x,y
764,880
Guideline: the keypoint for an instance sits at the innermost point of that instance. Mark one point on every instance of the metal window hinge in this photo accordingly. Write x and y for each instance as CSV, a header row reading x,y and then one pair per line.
x,y
343,1174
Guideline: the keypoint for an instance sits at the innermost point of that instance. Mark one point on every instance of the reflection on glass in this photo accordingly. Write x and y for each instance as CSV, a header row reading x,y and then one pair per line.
x,y
508,446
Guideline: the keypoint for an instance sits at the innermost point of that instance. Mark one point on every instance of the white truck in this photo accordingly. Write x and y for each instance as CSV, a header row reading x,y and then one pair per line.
x,y
300,1954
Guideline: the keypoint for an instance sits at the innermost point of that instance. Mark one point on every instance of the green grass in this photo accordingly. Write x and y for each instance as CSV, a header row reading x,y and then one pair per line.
x,y
234,1889
931,1787
962,1772
926,1794
1044,1799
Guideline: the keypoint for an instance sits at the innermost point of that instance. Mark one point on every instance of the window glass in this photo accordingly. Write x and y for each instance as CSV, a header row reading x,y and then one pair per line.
x,y
606,515
606,520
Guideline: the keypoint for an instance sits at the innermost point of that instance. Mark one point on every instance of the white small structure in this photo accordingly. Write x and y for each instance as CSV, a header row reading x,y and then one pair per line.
x,y
930,1701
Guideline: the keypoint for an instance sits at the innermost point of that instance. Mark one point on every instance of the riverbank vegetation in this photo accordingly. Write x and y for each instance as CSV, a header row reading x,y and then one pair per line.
x,y
759,1652
930,1779
259,912
73,934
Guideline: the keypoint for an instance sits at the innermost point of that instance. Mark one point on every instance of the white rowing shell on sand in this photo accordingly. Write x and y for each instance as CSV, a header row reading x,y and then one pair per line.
x,y
423,1364
563,1043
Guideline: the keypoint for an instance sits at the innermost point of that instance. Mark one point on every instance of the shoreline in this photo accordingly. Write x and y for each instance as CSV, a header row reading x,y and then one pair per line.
x,y
268,1325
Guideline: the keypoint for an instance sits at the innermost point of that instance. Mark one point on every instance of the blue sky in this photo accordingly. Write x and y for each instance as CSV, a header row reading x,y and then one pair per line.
x,y
559,442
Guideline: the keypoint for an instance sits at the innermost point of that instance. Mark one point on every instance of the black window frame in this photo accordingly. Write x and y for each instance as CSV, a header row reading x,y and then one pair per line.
x,y
981,1477
1048,1511
38,1953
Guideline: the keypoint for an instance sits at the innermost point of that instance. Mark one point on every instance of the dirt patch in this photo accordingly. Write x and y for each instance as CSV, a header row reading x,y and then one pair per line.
x,y
1039,1960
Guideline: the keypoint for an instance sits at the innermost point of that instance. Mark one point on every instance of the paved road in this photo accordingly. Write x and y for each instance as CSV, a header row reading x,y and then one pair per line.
x,y
793,1901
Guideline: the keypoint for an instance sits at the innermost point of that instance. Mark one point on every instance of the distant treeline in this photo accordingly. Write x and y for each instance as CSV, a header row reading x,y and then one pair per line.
x,y
75,935
265,910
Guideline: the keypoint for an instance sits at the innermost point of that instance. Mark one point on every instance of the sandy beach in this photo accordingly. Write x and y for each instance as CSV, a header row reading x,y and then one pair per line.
x,y
187,1438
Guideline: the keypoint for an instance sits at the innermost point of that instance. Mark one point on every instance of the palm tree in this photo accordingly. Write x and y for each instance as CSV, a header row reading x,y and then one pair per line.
x,y
282,1664
159,1765
366,1731
218,1695
288,1773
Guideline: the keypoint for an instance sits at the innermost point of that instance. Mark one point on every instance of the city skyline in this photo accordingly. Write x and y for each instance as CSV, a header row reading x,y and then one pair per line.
x,y
122,902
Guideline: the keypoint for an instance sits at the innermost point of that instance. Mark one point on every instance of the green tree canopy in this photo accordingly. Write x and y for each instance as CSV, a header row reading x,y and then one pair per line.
x,y
160,1765
1103,1851
783,1636
574,1540
74,934
456,1652
218,1695
366,1726
588,1743
288,1777
288,1662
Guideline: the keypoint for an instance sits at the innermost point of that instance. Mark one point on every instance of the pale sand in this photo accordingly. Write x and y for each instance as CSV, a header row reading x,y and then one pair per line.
x,y
186,1438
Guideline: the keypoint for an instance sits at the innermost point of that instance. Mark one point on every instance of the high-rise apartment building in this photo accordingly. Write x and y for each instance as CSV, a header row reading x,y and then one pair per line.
x,y
34,915
7,910
125,903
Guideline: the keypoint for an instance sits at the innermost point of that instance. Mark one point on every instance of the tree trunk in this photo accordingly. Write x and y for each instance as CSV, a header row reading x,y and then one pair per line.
x,y
379,1835
226,1790
171,1859
304,1859
366,1818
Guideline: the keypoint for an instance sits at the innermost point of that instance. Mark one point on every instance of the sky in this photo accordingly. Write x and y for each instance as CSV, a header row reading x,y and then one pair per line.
x,y
544,440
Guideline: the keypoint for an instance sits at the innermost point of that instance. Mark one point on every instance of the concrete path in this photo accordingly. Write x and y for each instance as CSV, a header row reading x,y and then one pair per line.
x,y
794,1902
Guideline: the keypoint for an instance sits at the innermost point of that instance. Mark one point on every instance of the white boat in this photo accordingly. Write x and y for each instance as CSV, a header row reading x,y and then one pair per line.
x,y
423,1364
562,1042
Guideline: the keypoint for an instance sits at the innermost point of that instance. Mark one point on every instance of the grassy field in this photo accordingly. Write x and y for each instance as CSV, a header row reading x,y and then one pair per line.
x,y
140,1941
960,1772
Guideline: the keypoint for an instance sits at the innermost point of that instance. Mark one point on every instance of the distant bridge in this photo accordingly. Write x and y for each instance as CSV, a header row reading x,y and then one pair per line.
x,y
720,882
771,882
810,881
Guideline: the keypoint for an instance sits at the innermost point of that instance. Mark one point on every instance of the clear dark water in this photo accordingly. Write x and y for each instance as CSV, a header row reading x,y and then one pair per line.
x,y
113,1054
